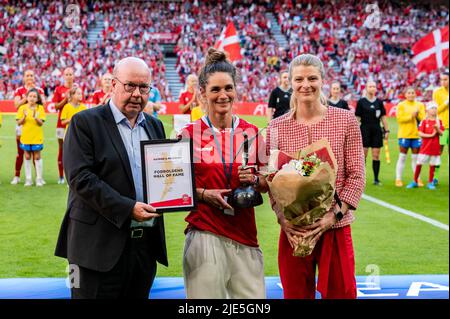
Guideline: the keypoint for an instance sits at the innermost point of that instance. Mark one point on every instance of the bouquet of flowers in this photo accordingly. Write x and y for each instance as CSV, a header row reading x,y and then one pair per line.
x,y
303,186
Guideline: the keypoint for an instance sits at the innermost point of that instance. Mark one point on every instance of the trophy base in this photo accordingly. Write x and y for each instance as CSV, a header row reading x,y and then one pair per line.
x,y
245,197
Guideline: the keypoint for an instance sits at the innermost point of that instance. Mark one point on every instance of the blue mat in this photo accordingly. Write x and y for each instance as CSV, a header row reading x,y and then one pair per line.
x,y
369,287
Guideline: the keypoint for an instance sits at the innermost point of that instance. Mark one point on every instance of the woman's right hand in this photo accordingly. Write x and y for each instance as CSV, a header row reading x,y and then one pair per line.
x,y
214,197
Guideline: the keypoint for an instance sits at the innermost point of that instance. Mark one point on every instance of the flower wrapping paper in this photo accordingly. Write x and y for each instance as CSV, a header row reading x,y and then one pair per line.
x,y
303,199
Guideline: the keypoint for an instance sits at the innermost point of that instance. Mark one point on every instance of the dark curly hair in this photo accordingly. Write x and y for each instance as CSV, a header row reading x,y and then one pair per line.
x,y
216,61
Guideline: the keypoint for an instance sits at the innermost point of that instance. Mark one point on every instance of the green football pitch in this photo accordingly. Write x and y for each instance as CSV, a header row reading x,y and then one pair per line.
x,y
384,239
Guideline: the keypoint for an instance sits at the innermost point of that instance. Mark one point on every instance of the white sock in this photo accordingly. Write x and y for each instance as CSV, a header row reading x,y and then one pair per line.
x,y
400,165
38,164
28,170
413,162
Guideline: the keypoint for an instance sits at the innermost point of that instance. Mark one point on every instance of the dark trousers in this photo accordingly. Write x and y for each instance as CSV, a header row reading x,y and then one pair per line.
x,y
131,278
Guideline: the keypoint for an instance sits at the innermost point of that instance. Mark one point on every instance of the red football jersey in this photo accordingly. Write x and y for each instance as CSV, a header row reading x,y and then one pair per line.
x,y
430,145
22,91
58,96
185,98
209,174
97,97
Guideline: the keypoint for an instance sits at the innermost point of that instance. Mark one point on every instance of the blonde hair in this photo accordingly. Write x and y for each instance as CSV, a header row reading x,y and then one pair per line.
x,y
306,60
190,76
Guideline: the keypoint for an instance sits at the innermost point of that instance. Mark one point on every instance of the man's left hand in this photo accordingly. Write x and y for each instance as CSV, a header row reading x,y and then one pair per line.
x,y
143,212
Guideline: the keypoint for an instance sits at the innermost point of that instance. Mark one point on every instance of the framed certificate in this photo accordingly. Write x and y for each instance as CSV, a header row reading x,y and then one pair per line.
x,y
168,175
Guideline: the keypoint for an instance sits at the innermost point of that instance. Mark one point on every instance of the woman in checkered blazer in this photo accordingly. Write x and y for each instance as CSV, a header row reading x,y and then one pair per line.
x,y
310,120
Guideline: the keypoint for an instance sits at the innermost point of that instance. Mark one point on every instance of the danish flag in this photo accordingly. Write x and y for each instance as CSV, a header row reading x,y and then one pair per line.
x,y
431,51
229,42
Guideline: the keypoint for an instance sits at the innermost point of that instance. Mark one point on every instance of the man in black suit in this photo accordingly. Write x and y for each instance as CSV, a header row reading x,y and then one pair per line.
x,y
108,233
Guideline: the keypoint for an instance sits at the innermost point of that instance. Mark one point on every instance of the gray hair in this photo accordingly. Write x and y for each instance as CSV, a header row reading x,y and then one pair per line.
x,y
307,60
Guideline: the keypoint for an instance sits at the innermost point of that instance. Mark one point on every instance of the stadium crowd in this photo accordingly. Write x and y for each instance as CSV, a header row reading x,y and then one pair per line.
x,y
338,32
34,36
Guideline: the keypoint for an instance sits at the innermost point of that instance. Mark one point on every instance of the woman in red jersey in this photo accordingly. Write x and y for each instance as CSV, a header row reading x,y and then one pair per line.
x,y
222,258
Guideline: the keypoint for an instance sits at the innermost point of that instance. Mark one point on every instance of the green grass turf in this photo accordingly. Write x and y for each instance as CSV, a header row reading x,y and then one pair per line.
x,y
30,219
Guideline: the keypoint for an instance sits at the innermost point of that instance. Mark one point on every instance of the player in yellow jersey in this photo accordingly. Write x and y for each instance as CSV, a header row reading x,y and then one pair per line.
x,y
74,106
440,97
32,116
409,114
198,111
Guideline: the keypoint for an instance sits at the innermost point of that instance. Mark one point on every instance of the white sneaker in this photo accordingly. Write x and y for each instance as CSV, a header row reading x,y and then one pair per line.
x,y
28,182
39,182
15,180
61,181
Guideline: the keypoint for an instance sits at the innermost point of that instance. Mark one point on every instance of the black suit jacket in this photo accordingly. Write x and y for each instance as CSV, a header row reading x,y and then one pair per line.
x,y
101,198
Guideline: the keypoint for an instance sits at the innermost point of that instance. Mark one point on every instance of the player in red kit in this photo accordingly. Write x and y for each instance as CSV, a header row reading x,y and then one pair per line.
x,y
430,129
189,97
101,96
19,100
60,98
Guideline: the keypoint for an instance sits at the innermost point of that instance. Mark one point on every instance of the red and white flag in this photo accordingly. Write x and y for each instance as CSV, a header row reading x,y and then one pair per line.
x,y
431,51
229,42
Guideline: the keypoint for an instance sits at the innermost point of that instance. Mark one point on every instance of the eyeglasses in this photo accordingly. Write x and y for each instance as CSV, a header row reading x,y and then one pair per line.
x,y
130,87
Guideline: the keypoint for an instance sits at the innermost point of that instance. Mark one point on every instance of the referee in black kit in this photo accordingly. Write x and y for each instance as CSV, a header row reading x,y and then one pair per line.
x,y
279,98
370,111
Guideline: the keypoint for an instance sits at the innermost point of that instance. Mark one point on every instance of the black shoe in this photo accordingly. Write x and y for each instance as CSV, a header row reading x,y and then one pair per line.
x,y
377,183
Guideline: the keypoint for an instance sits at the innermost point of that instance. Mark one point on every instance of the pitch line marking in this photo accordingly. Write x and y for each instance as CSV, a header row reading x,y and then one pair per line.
x,y
406,212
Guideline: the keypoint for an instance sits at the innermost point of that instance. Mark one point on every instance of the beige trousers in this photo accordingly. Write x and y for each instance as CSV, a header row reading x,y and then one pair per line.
x,y
216,267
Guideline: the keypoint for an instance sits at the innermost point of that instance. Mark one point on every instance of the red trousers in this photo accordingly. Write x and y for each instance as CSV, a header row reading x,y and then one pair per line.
x,y
335,260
